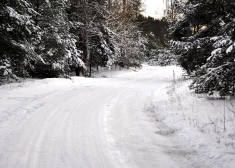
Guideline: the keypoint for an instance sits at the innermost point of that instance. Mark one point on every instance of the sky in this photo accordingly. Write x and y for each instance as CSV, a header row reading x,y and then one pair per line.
x,y
154,8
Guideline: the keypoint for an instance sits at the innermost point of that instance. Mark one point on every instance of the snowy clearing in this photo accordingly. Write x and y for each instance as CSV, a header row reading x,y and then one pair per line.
x,y
128,119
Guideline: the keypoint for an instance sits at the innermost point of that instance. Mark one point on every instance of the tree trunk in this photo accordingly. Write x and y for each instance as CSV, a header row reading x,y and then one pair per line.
x,y
77,70
90,65
88,54
124,6
109,4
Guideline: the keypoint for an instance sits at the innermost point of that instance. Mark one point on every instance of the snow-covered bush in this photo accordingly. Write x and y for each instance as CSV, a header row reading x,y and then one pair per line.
x,y
162,57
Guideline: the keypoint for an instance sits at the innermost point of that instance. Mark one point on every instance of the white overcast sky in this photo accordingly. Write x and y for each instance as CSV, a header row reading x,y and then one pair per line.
x,y
154,8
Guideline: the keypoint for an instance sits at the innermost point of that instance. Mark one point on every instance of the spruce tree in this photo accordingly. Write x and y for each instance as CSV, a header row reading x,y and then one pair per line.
x,y
56,46
204,39
16,31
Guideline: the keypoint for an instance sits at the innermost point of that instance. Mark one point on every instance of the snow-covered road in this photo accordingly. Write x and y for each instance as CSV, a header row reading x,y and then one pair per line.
x,y
86,123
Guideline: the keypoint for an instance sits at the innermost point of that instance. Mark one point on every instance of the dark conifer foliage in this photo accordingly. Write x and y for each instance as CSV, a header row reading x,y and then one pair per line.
x,y
203,36
156,31
16,30
158,27
56,45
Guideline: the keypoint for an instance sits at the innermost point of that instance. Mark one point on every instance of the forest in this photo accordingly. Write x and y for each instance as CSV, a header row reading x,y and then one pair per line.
x,y
58,38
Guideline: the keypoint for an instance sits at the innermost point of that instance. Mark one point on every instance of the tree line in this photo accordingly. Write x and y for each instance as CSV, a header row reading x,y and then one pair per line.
x,y
54,38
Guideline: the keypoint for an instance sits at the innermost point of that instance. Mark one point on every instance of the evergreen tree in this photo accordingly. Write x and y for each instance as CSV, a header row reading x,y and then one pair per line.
x,y
56,46
16,30
217,75
204,39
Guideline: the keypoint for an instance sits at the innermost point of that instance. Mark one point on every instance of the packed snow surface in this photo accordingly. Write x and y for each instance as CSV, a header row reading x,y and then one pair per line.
x,y
121,119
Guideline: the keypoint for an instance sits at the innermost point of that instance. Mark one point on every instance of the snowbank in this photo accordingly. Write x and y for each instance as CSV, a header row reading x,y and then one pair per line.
x,y
202,129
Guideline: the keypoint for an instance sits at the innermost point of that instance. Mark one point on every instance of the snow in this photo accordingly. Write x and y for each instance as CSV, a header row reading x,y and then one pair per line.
x,y
216,52
10,29
50,52
22,19
127,119
215,38
229,49
197,121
